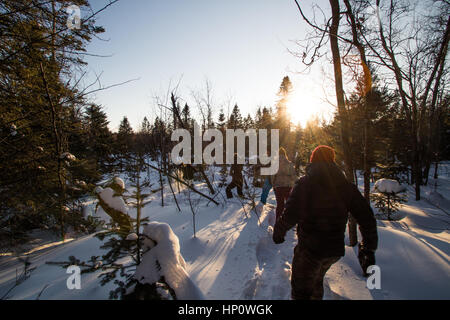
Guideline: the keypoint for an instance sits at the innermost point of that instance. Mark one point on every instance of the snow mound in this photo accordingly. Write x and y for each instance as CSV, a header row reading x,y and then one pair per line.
x,y
388,186
165,260
412,266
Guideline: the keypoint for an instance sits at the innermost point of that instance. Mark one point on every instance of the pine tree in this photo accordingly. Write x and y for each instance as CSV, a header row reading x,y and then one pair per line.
x,y
146,127
221,121
282,121
39,114
388,202
248,122
186,116
124,143
264,119
221,125
235,121
124,242
258,116
98,137
125,130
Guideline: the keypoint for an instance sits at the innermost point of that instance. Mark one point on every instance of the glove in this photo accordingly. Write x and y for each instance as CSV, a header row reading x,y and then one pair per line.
x,y
366,258
278,235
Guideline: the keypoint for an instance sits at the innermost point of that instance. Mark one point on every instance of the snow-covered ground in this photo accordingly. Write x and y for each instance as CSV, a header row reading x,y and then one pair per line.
x,y
233,256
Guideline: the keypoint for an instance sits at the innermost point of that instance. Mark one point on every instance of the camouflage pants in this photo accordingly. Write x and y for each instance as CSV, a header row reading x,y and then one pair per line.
x,y
308,272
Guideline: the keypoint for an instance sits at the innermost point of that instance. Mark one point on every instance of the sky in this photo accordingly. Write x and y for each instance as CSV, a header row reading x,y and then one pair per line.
x,y
240,47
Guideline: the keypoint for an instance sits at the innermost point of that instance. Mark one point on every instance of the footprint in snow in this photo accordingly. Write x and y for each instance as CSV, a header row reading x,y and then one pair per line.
x,y
265,251
271,217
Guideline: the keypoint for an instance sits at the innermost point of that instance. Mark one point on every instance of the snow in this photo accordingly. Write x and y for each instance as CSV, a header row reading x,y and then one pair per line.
x,y
81,184
114,202
119,182
132,237
52,279
411,268
167,254
13,129
68,156
233,255
98,189
438,200
388,186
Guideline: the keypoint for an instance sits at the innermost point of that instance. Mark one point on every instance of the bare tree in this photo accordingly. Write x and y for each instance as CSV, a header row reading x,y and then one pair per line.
x,y
367,90
411,43
204,101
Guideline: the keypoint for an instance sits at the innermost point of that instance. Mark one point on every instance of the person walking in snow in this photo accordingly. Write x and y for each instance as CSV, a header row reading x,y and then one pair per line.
x,y
283,181
319,205
266,187
266,190
237,180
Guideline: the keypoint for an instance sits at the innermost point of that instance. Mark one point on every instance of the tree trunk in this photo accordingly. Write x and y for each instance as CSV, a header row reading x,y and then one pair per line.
x,y
367,91
426,172
138,213
416,166
353,236
173,194
58,152
389,207
436,169
367,168
162,187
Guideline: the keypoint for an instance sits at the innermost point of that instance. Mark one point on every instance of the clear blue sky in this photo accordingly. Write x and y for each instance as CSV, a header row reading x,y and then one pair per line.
x,y
239,45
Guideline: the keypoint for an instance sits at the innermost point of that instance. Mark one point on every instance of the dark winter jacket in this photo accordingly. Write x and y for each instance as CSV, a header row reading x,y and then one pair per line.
x,y
319,205
236,173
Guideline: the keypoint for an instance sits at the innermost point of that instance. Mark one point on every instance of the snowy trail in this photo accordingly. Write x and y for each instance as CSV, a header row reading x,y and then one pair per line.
x,y
271,277
50,280
218,262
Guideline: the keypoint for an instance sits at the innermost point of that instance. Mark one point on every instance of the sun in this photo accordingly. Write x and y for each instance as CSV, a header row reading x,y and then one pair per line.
x,y
304,106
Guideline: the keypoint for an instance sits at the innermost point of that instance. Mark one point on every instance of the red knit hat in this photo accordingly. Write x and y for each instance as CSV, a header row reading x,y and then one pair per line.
x,y
323,154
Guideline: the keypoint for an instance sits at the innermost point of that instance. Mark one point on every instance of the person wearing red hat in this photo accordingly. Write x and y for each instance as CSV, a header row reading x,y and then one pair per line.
x,y
323,154
319,205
